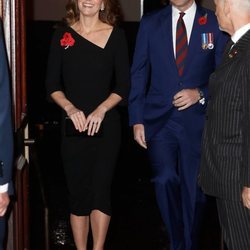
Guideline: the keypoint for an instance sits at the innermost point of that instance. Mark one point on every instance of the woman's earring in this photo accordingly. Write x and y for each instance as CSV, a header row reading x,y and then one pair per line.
x,y
102,7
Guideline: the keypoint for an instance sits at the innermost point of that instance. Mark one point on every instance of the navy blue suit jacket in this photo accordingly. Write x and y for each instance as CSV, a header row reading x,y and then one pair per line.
x,y
6,134
155,78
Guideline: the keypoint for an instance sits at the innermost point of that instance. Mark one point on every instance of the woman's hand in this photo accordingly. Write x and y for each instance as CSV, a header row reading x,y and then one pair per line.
x,y
77,117
75,114
94,120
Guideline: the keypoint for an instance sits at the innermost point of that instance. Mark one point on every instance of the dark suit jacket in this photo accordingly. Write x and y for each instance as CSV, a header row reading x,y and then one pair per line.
x,y
6,134
154,58
225,164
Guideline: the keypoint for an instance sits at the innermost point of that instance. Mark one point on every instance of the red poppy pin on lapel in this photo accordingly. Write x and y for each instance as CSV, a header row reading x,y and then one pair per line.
x,y
203,20
67,40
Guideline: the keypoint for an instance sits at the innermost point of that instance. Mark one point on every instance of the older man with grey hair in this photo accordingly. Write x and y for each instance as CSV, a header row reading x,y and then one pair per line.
x,y
225,164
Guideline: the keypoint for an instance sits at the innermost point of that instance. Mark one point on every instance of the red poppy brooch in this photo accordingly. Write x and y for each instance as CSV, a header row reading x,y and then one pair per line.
x,y
67,40
203,20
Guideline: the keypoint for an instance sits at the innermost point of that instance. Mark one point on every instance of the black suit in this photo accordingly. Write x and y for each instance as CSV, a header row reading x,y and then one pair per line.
x,y
225,164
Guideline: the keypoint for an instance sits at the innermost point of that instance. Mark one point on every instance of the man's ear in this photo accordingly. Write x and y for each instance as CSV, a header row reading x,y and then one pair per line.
x,y
227,8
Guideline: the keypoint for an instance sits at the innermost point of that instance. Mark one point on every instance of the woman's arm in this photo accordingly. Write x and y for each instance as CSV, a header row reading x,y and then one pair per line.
x,y
75,114
95,119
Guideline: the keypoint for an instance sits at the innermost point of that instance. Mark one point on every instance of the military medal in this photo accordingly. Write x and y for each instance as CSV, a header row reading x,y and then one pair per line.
x,y
210,41
207,40
204,41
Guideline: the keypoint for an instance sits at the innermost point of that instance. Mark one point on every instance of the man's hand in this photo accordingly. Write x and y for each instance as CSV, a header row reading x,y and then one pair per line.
x,y
4,202
139,135
246,197
185,98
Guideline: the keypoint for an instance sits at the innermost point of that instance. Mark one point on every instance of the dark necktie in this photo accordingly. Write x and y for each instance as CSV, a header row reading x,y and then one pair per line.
x,y
181,44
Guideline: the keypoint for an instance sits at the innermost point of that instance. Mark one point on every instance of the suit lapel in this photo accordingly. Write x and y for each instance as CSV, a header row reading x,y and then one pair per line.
x,y
236,51
229,62
225,58
168,36
214,83
195,38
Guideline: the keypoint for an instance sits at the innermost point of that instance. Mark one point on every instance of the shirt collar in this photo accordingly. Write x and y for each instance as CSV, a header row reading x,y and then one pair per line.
x,y
240,32
189,11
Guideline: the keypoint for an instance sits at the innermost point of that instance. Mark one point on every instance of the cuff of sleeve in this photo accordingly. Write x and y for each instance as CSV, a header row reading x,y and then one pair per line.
x,y
4,188
202,99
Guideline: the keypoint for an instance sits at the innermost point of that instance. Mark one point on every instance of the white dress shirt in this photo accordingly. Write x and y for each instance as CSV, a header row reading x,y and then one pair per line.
x,y
240,32
188,20
4,188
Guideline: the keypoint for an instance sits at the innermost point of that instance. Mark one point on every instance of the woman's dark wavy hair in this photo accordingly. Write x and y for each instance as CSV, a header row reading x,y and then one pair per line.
x,y
110,15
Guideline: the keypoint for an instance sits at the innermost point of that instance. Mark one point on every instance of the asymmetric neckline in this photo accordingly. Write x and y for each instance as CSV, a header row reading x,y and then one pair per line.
x,y
94,44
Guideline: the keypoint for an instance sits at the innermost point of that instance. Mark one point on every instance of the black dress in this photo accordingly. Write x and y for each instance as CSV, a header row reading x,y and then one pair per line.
x,y
88,74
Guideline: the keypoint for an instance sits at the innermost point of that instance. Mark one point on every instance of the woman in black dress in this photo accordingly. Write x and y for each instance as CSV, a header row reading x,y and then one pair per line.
x,y
88,75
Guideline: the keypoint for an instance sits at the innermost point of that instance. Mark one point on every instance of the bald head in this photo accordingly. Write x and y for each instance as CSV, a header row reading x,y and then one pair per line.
x,y
232,14
241,4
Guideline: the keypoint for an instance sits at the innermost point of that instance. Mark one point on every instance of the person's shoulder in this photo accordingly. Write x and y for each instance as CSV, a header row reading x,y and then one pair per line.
x,y
247,42
211,24
248,38
156,14
118,31
210,14
61,29
118,34
59,32
1,28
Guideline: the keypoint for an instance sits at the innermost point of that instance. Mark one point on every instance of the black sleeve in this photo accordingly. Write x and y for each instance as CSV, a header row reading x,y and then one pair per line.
x,y
122,72
53,76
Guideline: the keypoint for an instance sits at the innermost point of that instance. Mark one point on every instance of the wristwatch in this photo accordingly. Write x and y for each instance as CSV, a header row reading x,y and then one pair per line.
x,y
202,97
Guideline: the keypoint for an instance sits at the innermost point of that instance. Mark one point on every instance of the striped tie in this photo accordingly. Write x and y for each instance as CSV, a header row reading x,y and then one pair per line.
x,y
181,44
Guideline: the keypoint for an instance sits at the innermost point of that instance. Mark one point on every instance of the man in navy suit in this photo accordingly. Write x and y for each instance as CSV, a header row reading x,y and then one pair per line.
x,y
177,49
6,140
